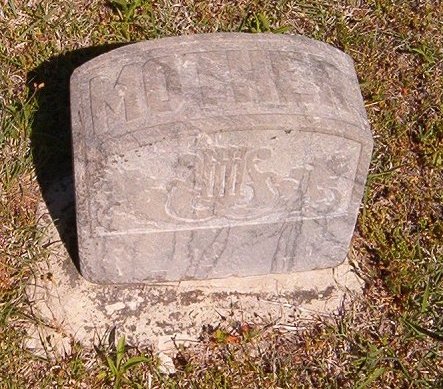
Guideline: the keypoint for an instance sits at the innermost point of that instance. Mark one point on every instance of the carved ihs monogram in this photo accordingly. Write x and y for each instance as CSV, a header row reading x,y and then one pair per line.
x,y
220,173
224,182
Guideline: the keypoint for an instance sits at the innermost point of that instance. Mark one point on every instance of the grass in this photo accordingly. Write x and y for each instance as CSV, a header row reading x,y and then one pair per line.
x,y
391,337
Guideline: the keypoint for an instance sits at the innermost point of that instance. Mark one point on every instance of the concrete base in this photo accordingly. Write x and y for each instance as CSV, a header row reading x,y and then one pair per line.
x,y
71,308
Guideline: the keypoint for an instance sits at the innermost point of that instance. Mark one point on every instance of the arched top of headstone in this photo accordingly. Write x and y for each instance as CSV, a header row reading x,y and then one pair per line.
x,y
217,155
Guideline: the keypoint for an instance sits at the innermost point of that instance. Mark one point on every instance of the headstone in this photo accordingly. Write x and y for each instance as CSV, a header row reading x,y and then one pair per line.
x,y
216,155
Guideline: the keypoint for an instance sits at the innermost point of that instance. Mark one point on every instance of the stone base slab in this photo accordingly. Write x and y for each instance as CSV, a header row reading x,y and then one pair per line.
x,y
71,308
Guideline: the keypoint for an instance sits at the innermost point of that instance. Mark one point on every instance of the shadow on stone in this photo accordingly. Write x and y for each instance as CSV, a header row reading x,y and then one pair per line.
x,y
51,138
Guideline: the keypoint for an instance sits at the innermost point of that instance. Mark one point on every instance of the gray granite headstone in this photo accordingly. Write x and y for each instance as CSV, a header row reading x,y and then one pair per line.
x,y
216,155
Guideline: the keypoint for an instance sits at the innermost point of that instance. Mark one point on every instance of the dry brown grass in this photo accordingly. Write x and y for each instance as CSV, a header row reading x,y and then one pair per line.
x,y
392,338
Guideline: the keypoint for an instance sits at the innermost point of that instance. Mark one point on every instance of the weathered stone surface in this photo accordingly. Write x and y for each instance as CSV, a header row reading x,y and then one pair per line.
x,y
216,155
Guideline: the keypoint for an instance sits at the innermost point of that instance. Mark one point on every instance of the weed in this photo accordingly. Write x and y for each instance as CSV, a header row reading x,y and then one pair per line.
x,y
118,367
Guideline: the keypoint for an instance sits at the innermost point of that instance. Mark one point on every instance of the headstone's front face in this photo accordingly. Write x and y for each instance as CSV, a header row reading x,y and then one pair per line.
x,y
216,155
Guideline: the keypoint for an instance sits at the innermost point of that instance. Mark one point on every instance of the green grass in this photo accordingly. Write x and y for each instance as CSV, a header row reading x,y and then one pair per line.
x,y
392,337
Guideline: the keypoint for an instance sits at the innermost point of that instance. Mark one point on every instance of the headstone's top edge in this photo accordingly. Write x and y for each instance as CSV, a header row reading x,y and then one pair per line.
x,y
212,38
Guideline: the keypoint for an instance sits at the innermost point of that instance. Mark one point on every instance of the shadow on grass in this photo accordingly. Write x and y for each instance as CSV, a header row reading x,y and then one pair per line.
x,y
51,138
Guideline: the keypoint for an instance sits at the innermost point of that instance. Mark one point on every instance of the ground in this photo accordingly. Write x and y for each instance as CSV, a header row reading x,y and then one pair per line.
x,y
391,337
